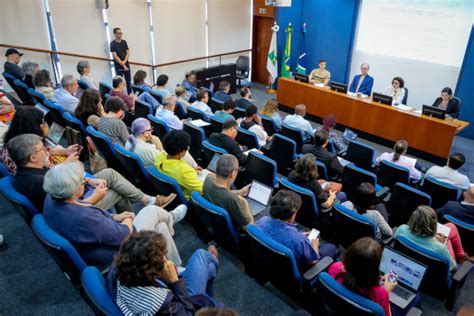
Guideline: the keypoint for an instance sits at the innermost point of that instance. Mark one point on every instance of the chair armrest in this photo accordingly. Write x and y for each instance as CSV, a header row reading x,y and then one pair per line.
x,y
387,240
462,272
342,153
387,198
414,312
319,267
382,192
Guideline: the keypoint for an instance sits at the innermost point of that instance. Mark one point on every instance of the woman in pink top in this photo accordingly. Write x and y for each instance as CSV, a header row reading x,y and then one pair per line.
x,y
398,158
360,272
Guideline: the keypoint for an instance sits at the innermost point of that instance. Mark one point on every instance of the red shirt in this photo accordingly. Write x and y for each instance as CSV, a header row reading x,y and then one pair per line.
x,y
126,98
378,293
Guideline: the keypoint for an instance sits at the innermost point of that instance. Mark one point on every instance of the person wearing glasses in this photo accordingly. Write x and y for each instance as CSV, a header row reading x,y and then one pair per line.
x,y
121,53
362,83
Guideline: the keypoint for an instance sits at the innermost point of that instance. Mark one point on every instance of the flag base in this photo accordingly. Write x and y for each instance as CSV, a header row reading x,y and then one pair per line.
x,y
271,91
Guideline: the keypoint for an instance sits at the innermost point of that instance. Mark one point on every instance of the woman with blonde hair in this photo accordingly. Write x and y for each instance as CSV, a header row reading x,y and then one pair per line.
x,y
270,109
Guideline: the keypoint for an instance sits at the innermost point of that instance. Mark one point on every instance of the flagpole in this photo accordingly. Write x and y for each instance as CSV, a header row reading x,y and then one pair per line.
x,y
271,80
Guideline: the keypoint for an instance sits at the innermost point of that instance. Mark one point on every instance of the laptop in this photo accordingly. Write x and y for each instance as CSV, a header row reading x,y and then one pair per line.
x,y
54,134
213,163
410,274
258,197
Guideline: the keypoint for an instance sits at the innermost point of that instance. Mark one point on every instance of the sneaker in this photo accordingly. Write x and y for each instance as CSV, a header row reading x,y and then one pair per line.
x,y
179,213
163,201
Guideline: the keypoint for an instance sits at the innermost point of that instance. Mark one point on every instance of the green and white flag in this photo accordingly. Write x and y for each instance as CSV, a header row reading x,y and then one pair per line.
x,y
272,64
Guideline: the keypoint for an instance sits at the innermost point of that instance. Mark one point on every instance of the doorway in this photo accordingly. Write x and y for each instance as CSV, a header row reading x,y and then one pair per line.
x,y
262,35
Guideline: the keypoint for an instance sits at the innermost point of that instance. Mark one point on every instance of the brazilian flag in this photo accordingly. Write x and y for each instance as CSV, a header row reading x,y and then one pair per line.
x,y
285,65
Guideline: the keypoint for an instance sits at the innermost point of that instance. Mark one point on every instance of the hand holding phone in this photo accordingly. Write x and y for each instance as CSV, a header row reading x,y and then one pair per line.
x,y
313,234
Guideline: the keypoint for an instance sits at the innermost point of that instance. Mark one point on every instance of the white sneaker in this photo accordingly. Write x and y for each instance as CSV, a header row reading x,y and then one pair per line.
x,y
179,213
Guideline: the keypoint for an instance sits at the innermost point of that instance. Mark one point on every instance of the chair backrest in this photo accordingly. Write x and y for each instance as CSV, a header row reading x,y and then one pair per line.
x,y
350,226
273,261
166,185
405,98
308,214
403,201
361,155
322,170
56,242
105,147
11,81
261,168
247,138
36,96
456,115
179,110
83,85
55,113
93,284
353,176
238,113
269,125
104,88
215,220
77,125
209,150
440,192
294,134
466,232
196,114
243,64
216,104
4,171
156,95
15,197
390,173
23,90
338,300
136,89
216,124
160,128
437,278
142,109
197,138
283,151
134,170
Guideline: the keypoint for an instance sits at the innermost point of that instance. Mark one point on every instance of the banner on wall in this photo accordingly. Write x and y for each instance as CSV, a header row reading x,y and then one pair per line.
x,y
285,65
301,68
272,65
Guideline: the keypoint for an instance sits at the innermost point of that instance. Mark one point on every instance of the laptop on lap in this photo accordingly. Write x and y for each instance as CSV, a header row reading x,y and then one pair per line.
x,y
258,197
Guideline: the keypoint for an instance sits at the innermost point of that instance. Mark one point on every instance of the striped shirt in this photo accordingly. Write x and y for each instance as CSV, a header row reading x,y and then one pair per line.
x,y
140,300
115,129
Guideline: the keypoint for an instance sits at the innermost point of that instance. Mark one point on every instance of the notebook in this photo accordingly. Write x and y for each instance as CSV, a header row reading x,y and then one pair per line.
x,y
443,230
258,197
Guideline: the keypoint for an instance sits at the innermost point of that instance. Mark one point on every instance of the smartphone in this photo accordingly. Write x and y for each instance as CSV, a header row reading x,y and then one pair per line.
x,y
392,276
313,234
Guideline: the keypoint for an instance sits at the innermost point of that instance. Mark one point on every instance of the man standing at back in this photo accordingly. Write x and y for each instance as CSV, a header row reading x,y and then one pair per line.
x,y
120,53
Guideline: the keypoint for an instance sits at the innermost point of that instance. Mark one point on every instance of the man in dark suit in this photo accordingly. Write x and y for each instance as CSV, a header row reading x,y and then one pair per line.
x,y
246,98
226,140
461,210
328,158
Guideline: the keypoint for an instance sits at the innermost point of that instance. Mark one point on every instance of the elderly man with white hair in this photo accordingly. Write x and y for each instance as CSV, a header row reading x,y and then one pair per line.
x,y
84,69
166,113
64,96
98,234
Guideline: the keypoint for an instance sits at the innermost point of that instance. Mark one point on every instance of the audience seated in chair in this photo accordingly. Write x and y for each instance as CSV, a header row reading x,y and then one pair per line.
x,y
245,98
11,64
65,95
160,87
189,83
119,89
148,146
297,121
306,175
98,234
111,123
329,124
253,123
226,112
43,85
270,109
84,69
176,144
422,230
223,93
183,96
398,157
280,227
30,69
30,120
450,173
217,190
226,140
166,113
321,153
461,210
359,272
202,98
143,281
139,80
90,109
364,204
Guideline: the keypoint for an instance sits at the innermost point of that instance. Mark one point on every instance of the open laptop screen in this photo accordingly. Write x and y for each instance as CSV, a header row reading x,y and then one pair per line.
x,y
260,192
213,163
410,273
55,133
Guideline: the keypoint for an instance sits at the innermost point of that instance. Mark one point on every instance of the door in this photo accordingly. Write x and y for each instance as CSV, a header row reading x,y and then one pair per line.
x,y
262,35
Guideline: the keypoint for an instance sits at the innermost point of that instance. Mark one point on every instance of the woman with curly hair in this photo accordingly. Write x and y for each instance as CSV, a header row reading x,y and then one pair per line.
x,y
143,281
270,109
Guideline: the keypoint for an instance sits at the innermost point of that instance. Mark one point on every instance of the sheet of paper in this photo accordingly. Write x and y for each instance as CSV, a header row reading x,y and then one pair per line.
x,y
443,230
203,174
247,152
200,123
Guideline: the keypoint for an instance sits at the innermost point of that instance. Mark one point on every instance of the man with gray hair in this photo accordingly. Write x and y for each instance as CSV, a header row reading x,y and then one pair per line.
x,y
106,190
30,68
217,190
166,113
65,96
84,69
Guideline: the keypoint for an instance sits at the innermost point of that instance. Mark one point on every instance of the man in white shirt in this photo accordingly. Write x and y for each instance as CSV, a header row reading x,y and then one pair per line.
x,y
202,98
64,96
450,173
253,123
166,113
297,121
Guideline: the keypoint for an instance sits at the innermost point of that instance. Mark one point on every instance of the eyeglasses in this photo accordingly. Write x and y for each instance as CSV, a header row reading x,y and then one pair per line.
x,y
149,130
41,149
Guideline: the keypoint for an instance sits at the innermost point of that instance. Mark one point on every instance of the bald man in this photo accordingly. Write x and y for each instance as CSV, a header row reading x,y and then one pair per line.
x,y
461,210
297,121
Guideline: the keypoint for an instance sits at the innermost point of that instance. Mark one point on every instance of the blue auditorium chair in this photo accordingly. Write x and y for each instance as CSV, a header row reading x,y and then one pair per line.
x,y
283,151
349,226
167,185
466,232
390,173
94,285
403,201
353,176
293,133
180,111
197,138
238,113
440,192
160,128
361,155
216,124
196,114
142,109
105,147
216,104
36,96
269,125
104,88
15,197
261,168
55,113
247,138
24,95
83,85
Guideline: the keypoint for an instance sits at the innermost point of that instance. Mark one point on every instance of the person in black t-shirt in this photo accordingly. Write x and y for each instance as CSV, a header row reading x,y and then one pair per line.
x,y
11,65
120,52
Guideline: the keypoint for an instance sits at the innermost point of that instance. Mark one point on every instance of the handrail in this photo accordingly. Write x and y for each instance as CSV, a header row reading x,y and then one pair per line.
x,y
39,50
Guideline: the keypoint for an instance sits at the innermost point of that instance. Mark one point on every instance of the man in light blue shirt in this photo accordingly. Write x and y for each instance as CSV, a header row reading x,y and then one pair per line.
x,y
297,121
166,113
64,96
202,98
